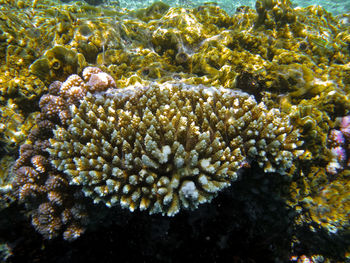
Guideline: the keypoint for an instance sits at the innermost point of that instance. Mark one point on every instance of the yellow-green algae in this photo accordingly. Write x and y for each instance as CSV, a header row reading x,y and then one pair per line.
x,y
294,58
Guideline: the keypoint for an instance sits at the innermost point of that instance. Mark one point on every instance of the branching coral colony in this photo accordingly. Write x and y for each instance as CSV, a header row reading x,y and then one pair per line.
x,y
158,148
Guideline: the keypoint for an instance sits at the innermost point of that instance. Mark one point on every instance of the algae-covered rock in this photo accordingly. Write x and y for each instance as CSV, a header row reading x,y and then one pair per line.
x,y
154,11
7,196
56,64
274,13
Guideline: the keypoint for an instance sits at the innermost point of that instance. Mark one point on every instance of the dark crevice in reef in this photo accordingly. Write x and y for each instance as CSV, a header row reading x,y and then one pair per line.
x,y
247,222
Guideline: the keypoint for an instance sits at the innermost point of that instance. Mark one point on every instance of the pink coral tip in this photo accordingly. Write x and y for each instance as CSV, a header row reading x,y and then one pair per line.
x,y
336,138
339,153
345,126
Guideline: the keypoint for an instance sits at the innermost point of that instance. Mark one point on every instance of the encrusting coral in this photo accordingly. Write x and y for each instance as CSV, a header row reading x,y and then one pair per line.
x,y
168,146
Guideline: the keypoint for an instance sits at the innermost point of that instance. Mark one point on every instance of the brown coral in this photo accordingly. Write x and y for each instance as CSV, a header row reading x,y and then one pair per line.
x,y
165,147
55,207
45,192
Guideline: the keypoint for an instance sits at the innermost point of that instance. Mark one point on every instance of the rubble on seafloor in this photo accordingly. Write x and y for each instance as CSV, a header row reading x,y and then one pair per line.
x,y
293,61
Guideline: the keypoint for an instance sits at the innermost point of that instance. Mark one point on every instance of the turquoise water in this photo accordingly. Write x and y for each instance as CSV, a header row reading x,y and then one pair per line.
x,y
335,6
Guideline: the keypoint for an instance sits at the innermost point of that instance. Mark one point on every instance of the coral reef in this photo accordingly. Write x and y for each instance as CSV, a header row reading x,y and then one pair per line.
x,y
204,45
56,64
185,150
330,208
331,205
274,13
14,128
320,191
290,58
165,147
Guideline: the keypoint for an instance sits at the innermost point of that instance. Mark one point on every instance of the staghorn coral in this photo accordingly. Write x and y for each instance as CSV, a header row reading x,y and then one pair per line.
x,y
160,148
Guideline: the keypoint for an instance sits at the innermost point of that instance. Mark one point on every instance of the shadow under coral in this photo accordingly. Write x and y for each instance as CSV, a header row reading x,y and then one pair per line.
x,y
248,222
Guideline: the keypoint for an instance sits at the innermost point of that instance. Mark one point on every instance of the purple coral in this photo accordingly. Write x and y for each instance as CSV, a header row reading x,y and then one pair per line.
x,y
339,142
345,126
97,80
340,153
336,138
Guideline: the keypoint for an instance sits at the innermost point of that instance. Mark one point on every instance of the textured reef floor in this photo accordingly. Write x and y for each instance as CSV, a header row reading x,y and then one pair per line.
x,y
170,134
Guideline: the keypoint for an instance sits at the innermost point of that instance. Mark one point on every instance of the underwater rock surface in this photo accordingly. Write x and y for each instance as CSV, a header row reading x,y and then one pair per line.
x,y
290,65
